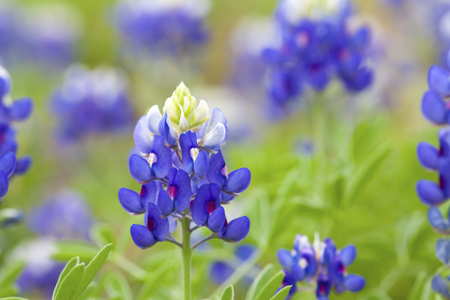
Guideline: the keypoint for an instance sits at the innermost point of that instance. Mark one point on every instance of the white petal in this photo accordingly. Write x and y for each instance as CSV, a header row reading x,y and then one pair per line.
x,y
170,108
214,139
201,114
153,118
183,122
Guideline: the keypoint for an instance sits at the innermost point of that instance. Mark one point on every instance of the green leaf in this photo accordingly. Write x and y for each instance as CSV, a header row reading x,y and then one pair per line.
x,y
118,287
271,287
70,283
282,294
8,290
10,271
228,293
69,266
92,270
366,171
260,281
68,249
88,292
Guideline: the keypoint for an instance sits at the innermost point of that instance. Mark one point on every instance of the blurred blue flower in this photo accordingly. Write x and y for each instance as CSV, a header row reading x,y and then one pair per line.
x,y
220,271
440,285
91,102
63,216
44,35
162,27
321,264
179,178
317,47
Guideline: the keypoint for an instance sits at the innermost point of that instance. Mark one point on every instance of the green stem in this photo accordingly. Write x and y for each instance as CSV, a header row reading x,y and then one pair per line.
x,y
186,253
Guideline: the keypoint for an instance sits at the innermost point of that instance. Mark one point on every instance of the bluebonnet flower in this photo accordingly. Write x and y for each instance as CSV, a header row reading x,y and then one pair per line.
x,y
317,47
63,216
220,270
48,34
12,111
91,102
182,172
162,27
322,265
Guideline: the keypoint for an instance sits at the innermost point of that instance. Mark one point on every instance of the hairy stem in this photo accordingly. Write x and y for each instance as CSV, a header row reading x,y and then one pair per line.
x,y
186,254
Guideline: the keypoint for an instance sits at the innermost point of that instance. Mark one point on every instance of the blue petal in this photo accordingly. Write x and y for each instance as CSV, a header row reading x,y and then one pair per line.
x,y
444,142
142,138
439,81
22,165
4,184
237,230
165,203
163,157
443,250
201,164
183,198
439,285
149,192
429,192
172,224
161,229
131,201
8,163
21,109
270,56
217,219
348,255
225,198
285,258
216,165
142,237
167,131
140,169
437,221
188,140
152,119
428,156
199,211
433,108
354,283
238,181
297,272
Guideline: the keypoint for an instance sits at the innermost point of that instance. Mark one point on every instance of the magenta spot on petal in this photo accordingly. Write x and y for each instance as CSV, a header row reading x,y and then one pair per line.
x,y
322,288
142,192
341,269
224,171
172,190
150,224
211,206
447,105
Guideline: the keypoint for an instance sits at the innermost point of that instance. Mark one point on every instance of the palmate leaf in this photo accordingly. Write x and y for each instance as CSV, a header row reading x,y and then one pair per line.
x,y
282,294
75,277
260,281
271,287
228,293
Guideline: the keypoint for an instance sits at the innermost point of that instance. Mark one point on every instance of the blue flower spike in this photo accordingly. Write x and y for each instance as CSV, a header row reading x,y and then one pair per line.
x,y
181,181
321,264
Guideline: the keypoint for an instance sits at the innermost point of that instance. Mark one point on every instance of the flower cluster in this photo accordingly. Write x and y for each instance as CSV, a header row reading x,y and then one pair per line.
x,y
92,102
182,172
162,27
63,216
435,109
322,265
11,111
317,47
44,34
